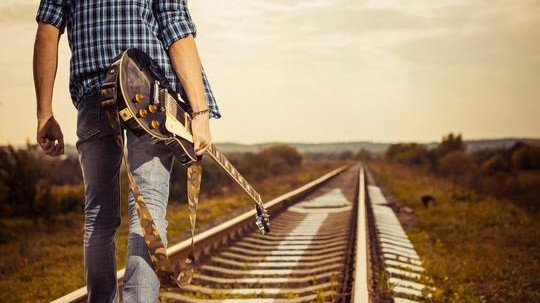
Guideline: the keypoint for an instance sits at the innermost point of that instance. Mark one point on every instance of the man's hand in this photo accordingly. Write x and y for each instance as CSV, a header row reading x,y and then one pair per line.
x,y
200,127
50,137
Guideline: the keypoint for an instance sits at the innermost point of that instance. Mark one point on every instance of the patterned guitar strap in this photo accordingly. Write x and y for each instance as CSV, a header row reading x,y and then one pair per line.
x,y
169,275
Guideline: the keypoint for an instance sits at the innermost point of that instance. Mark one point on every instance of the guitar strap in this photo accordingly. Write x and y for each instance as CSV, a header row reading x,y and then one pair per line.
x,y
168,274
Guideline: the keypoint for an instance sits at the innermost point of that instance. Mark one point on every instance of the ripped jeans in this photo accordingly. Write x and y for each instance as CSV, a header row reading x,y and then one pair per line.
x,y
100,160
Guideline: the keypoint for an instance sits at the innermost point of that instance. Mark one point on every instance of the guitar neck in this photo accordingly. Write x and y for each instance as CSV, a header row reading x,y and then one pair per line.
x,y
216,155
222,161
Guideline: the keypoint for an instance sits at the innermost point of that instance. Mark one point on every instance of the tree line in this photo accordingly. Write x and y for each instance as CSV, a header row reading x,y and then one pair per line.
x,y
511,172
36,186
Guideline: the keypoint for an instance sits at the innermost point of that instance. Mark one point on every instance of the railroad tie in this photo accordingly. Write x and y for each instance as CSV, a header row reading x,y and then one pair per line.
x,y
301,260
401,261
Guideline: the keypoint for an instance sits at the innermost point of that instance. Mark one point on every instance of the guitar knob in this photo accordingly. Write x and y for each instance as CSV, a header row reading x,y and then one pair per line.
x,y
152,108
139,97
154,124
143,113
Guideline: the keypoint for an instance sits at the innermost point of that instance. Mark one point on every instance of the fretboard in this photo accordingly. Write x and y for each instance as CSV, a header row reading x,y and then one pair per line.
x,y
222,161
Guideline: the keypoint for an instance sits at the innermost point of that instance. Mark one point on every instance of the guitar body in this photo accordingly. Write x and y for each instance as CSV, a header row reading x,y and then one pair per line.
x,y
147,104
145,97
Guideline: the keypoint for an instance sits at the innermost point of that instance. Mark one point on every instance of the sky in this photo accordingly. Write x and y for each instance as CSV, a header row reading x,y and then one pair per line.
x,y
330,70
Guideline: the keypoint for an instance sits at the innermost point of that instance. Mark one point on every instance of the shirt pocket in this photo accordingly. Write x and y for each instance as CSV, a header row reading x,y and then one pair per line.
x,y
88,116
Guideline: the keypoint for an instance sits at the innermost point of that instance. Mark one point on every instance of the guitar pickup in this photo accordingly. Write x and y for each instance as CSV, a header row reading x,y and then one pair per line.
x,y
155,94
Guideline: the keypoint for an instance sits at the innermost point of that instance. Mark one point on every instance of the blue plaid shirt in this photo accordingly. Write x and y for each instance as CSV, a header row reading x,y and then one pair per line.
x,y
99,30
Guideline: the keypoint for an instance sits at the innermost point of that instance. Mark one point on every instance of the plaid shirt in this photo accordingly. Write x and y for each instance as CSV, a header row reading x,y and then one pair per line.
x,y
99,30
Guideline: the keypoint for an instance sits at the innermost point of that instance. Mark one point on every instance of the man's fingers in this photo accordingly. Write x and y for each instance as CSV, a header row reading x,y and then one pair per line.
x,y
61,145
58,150
201,151
47,146
201,147
52,148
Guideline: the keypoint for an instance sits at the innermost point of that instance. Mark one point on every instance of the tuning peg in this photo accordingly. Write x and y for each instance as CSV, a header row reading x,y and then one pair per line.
x,y
152,108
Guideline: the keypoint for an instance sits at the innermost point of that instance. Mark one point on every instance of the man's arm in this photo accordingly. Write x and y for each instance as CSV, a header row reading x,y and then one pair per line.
x,y
177,32
49,134
187,64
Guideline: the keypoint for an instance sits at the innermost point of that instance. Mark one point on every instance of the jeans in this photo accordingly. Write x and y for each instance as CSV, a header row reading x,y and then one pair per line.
x,y
100,160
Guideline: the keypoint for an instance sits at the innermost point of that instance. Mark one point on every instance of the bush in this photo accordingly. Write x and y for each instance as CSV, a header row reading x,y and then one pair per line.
x,y
496,163
455,164
408,154
254,167
512,173
24,173
450,143
68,198
281,159
525,156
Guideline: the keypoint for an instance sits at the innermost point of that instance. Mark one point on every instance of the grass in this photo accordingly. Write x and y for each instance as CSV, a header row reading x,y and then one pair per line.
x,y
476,248
41,262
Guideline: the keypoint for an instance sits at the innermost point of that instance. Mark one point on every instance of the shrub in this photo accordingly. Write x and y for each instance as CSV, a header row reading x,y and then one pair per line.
x,y
281,159
68,198
24,173
525,156
408,154
255,167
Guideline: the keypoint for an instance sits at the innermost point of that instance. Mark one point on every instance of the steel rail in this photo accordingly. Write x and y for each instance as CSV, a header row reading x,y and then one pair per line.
x,y
216,236
360,287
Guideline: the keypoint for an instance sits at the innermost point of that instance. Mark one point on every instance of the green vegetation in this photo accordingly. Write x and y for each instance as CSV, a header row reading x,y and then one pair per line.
x,y
42,254
476,247
512,173
35,186
480,241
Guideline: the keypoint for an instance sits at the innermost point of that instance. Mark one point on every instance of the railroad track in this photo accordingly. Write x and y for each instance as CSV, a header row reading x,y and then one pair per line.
x,y
317,250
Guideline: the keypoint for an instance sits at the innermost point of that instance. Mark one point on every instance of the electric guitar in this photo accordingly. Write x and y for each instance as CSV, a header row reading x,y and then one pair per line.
x,y
148,105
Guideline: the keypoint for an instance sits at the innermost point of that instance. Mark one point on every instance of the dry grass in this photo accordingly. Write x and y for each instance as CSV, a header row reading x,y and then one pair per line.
x,y
477,248
41,263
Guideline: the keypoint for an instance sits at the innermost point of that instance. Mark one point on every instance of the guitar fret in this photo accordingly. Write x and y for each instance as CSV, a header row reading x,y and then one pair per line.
x,y
233,172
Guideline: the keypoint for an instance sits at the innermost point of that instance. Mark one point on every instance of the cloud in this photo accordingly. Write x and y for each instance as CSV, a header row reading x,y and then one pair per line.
x,y
372,69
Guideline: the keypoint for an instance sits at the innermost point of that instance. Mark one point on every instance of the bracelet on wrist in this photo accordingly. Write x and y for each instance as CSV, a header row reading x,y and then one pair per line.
x,y
200,112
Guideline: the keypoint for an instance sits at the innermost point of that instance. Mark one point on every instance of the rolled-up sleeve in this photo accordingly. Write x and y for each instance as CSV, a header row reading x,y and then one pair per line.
x,y
52,12
174,21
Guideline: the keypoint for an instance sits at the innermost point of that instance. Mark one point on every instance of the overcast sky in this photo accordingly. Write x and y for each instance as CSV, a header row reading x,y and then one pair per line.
x,y
331,70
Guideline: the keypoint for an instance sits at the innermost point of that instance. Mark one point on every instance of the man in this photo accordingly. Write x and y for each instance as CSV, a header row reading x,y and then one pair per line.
x,y
98,31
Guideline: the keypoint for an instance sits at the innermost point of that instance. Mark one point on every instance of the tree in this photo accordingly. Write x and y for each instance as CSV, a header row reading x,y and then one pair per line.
x,y
363,155
346,155
407,153
450,143
496,163
455,165
524,156
281,159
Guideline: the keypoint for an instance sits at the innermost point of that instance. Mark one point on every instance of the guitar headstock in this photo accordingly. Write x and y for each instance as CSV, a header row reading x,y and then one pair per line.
x,y
262,220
